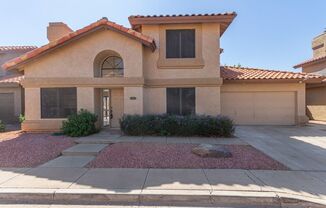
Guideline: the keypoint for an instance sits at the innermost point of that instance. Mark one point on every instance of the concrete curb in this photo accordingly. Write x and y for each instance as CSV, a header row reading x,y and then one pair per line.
x,y
157,197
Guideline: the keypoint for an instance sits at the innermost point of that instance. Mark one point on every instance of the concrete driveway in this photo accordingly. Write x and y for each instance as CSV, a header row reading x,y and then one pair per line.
x,y
299,148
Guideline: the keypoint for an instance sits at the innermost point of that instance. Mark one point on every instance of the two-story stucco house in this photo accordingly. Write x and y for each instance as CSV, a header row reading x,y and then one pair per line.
x,y
162,64
316,92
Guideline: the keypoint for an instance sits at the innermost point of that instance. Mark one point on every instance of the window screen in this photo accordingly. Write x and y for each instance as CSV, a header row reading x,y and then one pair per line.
x,y
180,43
58,102
180,101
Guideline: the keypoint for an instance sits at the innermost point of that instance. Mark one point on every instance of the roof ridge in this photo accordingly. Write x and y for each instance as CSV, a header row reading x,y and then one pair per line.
x,y
268,70
181,15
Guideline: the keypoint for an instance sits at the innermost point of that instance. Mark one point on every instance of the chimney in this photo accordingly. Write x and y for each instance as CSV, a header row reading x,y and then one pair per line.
x,y
319,45
57,30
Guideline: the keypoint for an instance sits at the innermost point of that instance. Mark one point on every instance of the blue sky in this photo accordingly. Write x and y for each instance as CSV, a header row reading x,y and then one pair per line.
x,y
272,34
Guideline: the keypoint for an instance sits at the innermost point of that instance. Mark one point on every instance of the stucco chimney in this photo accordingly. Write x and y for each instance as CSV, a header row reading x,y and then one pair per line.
x,y
56,30
319,45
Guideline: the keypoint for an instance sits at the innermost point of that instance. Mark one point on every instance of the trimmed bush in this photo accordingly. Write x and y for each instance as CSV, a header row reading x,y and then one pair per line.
x,y
172,125
80,124
2,127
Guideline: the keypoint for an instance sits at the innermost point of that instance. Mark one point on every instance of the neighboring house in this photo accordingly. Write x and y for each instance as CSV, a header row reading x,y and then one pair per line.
x,y
11,93
316,93
164,64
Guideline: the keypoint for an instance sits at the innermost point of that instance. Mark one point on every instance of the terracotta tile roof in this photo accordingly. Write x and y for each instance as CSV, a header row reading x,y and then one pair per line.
x,y
16,48
225,19
12,79
310,61
146,40
183,15
242,73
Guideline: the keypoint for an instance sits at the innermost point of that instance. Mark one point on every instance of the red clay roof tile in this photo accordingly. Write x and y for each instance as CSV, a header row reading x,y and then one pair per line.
x,y
12,79
17,48
146,40
310,61
184,15
241,73
225,19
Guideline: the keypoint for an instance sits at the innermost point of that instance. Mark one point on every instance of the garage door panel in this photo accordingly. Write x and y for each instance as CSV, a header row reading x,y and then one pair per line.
x,y
239,108
259,108
7,109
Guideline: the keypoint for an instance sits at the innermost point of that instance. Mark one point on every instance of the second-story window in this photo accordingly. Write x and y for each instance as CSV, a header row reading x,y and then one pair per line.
x,y
180,43
112,66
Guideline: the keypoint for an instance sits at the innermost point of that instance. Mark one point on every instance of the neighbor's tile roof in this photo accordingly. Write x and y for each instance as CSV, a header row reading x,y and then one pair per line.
x,y
242,73
12,79
16,48
146,40
310,61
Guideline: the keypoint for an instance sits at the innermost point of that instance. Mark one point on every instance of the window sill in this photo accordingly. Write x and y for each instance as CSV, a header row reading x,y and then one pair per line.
x,y
180,63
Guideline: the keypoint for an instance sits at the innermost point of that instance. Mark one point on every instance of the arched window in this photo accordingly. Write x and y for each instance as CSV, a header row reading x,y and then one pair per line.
x,y
112,66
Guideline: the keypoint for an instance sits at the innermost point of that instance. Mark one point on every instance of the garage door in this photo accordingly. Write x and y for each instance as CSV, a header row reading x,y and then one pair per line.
x,y
7,110
259,108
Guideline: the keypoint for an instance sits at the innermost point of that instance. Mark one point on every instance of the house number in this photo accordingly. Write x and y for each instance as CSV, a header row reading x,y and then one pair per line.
x,y
132,98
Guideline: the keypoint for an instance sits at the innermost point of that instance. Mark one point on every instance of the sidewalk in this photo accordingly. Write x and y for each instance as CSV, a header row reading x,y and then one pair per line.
x,y
170,186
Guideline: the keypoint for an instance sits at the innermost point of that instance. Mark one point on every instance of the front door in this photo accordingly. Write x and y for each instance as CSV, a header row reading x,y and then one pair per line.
x,y
107,111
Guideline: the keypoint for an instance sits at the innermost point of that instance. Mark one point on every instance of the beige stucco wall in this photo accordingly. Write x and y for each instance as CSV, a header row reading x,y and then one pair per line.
x,y
133,100
117,97
297,88
76,59
208,100
86,99
316,103
315,68
154,100
210,53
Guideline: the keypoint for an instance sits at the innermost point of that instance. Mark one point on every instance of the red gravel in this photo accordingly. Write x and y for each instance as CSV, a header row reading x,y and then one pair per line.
x,y
19,149
155,155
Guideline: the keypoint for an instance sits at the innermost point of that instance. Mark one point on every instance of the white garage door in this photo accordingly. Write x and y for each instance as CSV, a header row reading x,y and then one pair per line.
x,y
259,108
7,110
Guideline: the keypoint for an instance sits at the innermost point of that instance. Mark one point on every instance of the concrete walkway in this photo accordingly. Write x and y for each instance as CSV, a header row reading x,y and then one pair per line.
x,y
106,138
299,148
142,186
77,156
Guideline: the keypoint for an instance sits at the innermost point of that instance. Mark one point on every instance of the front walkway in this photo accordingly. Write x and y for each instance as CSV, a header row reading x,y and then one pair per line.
x,y
204,186
107,138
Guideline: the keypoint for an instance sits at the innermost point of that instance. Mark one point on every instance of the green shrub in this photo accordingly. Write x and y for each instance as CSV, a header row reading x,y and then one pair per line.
x,y
2,127
80,124
172,125
21,118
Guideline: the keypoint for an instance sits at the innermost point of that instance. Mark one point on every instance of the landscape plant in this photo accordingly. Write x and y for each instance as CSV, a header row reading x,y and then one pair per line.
x,y
174,125
80,124
2,127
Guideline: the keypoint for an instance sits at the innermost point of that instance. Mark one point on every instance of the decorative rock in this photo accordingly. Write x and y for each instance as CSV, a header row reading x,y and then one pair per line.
x,y
208,150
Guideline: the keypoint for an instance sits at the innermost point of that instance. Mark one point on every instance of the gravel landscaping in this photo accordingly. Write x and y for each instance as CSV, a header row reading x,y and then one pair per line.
x,y
18,149
155,155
